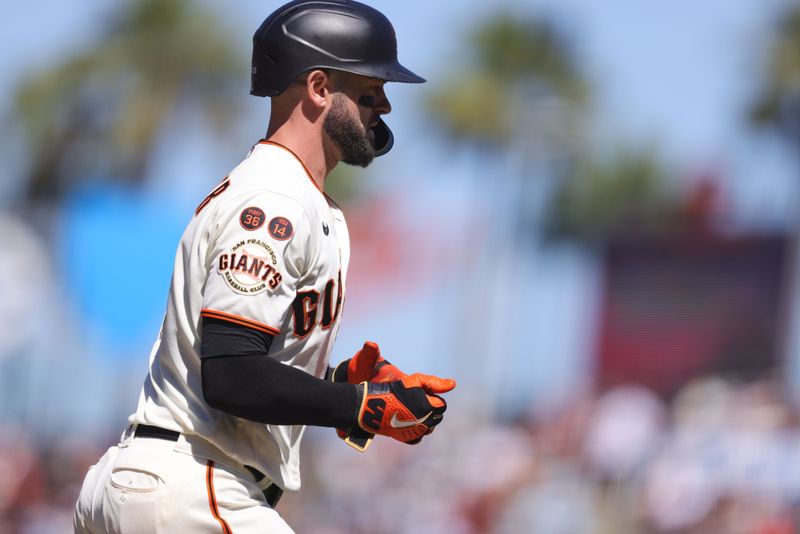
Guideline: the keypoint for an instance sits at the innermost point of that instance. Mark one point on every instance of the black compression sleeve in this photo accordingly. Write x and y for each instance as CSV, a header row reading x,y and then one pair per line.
x,y
239,378
223,338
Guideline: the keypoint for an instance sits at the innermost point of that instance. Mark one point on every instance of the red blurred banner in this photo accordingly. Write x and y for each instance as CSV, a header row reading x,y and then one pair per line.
x,y
676,307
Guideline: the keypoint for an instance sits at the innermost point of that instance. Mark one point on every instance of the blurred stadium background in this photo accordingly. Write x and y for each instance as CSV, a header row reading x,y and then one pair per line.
x,y
589,219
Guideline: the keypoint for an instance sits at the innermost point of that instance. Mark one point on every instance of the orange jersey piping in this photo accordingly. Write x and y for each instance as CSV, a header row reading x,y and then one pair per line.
x,y
243,321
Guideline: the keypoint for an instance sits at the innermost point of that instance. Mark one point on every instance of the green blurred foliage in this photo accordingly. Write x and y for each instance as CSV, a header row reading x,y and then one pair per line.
x,y
507,54
624,193
99,113
344,183
778,102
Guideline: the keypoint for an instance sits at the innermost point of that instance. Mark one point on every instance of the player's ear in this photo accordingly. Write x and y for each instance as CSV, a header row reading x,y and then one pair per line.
x,y
319,88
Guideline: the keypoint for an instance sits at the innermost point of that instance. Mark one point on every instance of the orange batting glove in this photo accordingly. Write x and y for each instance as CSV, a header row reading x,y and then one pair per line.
x,y
367,365
402,409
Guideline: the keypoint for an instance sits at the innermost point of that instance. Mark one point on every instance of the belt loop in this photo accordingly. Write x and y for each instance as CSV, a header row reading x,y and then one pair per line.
x,y
257,475
272,492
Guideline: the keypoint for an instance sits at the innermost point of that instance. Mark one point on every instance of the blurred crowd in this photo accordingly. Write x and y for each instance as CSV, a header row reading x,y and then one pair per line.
x,y
720,457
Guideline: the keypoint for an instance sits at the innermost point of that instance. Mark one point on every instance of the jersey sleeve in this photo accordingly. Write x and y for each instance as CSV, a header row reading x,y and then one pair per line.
x,y
259,247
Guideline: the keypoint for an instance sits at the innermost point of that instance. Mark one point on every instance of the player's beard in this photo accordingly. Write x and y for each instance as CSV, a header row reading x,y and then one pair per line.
x,y
349,135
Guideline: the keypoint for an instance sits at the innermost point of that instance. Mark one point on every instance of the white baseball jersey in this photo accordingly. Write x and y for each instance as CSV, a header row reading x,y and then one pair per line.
x,y
267,249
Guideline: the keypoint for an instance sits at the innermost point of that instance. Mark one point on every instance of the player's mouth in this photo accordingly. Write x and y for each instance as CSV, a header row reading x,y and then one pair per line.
x,y
371,131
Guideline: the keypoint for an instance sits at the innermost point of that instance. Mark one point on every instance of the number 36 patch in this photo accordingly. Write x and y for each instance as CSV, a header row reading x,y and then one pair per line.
x,y
252,218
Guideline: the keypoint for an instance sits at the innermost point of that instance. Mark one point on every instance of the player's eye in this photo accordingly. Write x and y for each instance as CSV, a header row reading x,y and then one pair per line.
x,y
367,101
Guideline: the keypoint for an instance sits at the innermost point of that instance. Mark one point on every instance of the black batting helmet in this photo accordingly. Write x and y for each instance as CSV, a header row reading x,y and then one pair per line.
x,y
326,34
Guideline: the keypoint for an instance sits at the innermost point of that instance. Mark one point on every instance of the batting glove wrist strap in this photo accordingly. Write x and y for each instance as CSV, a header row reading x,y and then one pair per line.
x,y
339,373
361,367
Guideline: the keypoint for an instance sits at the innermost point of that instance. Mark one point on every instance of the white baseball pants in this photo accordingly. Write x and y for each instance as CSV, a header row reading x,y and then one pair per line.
x,y
153,486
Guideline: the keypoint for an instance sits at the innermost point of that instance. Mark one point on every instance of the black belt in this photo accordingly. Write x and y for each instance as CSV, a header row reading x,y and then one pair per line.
x,y
272,493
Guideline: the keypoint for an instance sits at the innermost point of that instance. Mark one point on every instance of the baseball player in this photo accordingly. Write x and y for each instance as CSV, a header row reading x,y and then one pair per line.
x,y
240,366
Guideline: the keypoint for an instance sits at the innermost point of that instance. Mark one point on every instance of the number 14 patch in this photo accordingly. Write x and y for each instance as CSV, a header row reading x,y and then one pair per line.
x,y
280,228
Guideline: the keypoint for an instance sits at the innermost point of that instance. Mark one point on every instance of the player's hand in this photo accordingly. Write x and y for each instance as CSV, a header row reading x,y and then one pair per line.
x,y
367,365
402,409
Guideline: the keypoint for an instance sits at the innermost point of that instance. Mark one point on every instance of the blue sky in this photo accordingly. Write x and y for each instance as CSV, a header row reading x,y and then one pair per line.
x,y
673,73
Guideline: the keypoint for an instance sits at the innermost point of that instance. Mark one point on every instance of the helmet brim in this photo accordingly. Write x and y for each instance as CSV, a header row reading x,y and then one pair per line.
x,y
390,72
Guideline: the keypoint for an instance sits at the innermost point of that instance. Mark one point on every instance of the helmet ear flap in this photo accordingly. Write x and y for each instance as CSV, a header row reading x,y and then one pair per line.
x,y
383,138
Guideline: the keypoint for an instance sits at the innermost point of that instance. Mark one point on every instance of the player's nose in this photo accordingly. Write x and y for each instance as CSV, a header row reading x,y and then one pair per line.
x,y
382,105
